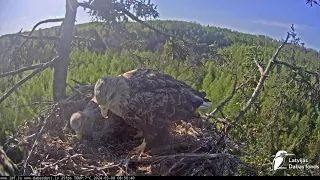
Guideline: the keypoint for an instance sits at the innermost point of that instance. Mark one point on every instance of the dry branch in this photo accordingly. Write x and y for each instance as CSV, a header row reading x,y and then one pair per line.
x,y
45,21
234,90
10,73
54,38
32,104
134,18
36,140
258,88
22,81
293,67
59,161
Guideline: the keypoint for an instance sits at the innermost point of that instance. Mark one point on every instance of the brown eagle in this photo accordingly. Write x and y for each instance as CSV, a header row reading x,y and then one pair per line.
x,y
148,101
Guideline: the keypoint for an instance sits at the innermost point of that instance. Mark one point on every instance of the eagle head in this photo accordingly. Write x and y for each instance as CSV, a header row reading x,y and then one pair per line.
x,y
77,122
111,93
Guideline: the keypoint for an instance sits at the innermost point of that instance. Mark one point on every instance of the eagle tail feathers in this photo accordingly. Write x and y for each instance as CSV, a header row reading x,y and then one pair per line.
x,y
205,105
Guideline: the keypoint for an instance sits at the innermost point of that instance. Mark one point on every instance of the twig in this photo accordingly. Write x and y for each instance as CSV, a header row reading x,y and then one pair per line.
x,y
184,155
20,70
43,67
178,162
59,161
36,140
52,38
295,67
32,104
133,17
259,67
38,24
235,89
45,21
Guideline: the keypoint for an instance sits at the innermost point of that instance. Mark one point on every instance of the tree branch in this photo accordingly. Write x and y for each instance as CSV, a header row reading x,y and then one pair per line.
x,y
51,38
133,17
259,86
38,24
45,21
235,89
22,81
20,70
295,67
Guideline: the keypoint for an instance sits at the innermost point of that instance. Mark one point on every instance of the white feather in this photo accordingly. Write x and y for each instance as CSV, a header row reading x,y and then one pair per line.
x,y
205,105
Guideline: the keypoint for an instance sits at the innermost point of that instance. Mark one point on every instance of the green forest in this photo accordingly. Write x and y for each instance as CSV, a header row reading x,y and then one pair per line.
x,y
285,115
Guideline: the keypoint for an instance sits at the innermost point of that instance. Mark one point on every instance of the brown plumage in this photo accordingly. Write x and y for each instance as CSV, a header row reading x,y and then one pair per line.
x,y
7,167
148,101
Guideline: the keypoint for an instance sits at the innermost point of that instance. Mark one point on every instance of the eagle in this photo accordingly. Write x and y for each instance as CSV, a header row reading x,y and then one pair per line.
x,y
87,121
7,167
149,101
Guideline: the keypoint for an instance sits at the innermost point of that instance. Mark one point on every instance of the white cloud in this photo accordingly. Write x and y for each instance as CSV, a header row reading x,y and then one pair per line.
x,y
280,24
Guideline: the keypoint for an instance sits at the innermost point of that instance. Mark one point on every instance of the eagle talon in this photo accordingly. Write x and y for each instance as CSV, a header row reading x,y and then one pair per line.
x,y
140,149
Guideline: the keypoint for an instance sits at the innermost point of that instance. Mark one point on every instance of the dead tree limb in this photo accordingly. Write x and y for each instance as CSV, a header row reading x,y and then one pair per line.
x,y
224,102
36,140
134,18
11,73
38,24
62,64
259,86
51,38
293,67
22,81
45,21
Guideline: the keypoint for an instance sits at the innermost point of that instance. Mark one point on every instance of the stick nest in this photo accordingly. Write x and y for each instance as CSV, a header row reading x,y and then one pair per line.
x,y
50,146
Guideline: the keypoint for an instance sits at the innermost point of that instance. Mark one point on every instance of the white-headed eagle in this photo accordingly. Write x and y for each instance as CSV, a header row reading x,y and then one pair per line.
x,y
148,101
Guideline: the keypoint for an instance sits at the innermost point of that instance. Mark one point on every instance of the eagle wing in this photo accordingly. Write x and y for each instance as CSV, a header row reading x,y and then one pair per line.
x,y
7,167
157,99
160,97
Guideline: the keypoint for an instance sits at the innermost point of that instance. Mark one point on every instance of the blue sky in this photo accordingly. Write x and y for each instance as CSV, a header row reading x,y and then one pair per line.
x,y
266,17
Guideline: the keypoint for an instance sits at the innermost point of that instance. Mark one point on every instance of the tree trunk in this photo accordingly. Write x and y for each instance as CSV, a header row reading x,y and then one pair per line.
x,y
62,64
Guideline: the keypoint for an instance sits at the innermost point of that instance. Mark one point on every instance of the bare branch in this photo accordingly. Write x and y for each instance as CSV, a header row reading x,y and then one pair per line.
x,y
235,89
52,38
22,81
20,70
261,70
133,17
37,137
38,24
59,161
185,155
260,84
295,67
45,21
32,104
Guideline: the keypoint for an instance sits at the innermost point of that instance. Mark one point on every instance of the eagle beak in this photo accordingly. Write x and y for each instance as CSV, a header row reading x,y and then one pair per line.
x,y
104,110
